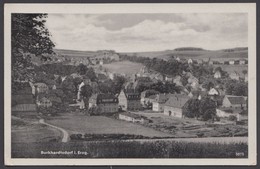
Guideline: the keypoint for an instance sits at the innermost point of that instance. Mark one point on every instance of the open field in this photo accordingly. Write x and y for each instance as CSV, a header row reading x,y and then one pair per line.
x,y
74,123
131,149
126,67
180,127
28,132
193,54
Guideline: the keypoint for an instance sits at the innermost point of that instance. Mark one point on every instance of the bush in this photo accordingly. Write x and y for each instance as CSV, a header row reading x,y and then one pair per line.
x,y
232,118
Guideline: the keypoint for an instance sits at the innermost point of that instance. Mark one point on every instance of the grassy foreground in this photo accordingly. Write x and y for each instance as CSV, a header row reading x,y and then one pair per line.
x,y
133,149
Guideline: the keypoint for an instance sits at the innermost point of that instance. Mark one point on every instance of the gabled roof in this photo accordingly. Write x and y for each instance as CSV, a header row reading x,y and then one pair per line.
x,y
152,97
22,99
177,101
236,99
131,94
98,98
162,98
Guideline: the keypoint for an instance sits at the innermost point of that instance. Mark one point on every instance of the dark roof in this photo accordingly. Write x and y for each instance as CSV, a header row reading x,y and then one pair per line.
x,y
22,99
132,94
152,97
236,99
162,98
103,98
24,108
22,88
177,101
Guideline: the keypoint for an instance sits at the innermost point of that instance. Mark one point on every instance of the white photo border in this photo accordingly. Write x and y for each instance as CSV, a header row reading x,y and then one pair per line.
x,y
249,8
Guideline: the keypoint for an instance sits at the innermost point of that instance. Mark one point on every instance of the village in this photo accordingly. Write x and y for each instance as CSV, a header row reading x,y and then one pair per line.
x,y
181,104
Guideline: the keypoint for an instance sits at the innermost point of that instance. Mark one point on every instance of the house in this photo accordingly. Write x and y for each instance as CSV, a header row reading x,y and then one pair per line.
x,y
160,100
44,102
108,103
32,87
54,87
190,61
76,75
234,75
194,82
173,106
177,80
131,117
243,115
111,75
237,62
146,94
226,113
23,104
129,99
217,74
159,77
231,62
246,78
25,88
169,79
234,101
41,88
213,92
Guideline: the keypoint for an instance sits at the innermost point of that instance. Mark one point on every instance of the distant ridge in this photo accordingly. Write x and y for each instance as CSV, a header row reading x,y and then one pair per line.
x,y
189,49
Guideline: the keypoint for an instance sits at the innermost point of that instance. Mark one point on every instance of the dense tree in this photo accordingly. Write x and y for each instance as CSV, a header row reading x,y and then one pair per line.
x,y
238,88
29,37
69,89
91,74
86,91
191,108
207,108
82,69
107,87
119,81
76,82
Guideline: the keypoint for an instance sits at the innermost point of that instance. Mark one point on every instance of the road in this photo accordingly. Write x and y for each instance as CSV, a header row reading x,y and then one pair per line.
x,y
64,132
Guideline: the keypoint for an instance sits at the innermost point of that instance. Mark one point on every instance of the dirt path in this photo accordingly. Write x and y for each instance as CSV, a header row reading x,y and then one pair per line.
x,y
64,132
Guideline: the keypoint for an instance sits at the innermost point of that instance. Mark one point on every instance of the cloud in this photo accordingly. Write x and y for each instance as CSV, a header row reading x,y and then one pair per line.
x,y
135,32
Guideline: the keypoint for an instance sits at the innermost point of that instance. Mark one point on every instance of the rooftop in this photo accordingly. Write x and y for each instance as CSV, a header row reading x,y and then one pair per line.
x,y
177,101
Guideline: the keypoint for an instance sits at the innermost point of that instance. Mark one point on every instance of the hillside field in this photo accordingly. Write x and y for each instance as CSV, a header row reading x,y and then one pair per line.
x,y
74,123
204,54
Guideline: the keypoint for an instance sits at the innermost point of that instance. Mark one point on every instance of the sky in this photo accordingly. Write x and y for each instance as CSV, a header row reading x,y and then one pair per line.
x,y
148,32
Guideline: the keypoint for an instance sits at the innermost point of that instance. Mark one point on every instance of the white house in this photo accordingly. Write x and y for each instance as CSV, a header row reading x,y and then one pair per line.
x,y
234,101
190,61
44,102
217,75
213,92
159,101
231,62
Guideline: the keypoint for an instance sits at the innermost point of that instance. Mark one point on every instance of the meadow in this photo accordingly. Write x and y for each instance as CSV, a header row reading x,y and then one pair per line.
x,y
76,123
24,131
